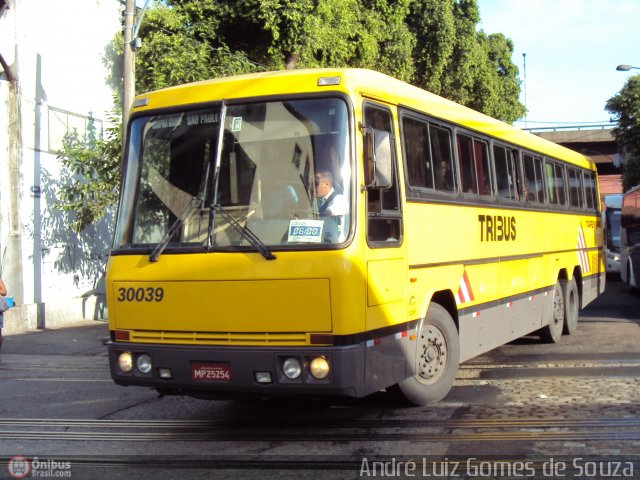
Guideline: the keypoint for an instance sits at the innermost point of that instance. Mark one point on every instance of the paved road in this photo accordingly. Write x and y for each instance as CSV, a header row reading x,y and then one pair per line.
x,y
526,399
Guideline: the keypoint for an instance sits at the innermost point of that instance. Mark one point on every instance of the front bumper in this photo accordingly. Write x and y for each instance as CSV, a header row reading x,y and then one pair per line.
x,y
345,377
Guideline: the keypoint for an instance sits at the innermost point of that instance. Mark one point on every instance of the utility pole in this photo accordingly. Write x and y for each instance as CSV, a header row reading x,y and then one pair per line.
x,y
11,255
129,79
524,61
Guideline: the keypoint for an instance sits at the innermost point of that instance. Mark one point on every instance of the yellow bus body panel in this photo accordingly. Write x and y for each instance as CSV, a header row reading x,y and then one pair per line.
x,y
229,306
231,294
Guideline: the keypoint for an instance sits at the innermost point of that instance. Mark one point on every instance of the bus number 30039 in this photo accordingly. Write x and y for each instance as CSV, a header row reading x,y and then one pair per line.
x,y
140,294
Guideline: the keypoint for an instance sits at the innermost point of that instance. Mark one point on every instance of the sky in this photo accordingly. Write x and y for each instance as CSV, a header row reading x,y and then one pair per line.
x,y
572,49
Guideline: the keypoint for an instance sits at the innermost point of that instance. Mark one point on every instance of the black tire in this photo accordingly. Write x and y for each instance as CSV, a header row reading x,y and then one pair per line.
x,y
631,278
571,299
553,332
437,358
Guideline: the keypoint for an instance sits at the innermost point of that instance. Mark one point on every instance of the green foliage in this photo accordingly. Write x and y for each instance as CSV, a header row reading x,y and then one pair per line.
x,y
430,43
274,34
432,24
455,61
93,166
496,88
176,49
631,171
625,106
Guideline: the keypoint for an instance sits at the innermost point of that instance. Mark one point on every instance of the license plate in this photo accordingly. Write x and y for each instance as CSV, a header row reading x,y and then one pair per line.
x,y
211,372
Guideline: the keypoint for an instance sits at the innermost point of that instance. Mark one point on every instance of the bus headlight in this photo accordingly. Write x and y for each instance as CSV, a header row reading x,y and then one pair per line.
x,y
319,368
144,363
291,368
125,362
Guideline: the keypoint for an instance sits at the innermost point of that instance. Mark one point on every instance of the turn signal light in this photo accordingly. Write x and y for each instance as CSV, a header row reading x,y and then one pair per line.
x,y
122,335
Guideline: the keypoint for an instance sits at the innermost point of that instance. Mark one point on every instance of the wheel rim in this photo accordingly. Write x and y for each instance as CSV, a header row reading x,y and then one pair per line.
x,y
431,354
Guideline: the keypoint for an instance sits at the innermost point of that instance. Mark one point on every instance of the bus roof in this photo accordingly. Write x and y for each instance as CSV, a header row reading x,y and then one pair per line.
x,y
354,82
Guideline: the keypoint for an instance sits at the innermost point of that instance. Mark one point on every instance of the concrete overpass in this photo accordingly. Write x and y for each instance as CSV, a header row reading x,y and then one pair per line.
x,y
596,142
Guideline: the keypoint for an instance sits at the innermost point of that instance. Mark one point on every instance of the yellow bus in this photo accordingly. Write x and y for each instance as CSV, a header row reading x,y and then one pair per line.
x,y
337,232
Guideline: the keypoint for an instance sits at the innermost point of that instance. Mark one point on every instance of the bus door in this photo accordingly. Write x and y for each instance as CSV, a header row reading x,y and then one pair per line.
x,y
386,274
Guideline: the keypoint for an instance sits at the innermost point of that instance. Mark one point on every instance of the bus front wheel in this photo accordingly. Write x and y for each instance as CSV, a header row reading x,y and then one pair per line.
x,y
553,332
436,360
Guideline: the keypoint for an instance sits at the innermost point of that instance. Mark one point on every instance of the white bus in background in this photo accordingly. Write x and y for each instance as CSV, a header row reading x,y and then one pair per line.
x,y
611,223
630,238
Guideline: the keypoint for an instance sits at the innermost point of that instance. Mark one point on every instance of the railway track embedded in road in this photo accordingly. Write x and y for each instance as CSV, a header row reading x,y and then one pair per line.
x,y
397,430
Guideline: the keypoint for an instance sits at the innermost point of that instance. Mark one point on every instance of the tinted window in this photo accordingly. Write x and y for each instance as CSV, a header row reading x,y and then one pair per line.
x,y
475,172
420,168
534,183
428,154
575,187
590,191
560,184
442,158
506,172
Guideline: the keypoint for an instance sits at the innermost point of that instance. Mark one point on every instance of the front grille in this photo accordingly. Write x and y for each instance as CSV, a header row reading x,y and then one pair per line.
x,y
220,338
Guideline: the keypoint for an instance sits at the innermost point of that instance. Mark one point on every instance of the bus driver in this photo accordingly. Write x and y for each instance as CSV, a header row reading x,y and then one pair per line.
x,y
329,201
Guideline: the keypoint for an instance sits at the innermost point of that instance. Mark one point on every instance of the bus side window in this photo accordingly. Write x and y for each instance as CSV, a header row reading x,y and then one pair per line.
x,y
506,172
575,188
561,184
467,165
590,192
533,179
537,162
550,180
427,149
420,167
475,171
383,204
442,157
530,184
483,167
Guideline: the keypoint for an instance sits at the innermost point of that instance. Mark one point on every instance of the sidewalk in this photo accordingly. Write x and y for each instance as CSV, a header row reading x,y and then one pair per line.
x,y
68,312
84,337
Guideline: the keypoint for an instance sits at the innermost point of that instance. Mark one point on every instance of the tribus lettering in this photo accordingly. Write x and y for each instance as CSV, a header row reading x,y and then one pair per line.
x,y
496,228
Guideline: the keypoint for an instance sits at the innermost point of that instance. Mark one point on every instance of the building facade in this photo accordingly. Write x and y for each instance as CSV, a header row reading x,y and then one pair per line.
x,y
53,81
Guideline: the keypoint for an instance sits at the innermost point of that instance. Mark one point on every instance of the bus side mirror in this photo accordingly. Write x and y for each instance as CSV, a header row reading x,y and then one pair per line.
x,y
377,158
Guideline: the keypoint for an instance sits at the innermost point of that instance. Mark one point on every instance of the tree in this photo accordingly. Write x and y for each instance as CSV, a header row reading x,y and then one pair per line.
x,y
181,45
275,34
496,87
433,26
455,61
93,165
625,106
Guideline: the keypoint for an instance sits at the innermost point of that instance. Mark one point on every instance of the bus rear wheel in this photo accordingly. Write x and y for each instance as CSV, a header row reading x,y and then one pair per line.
x,y
571,299
553,332
436,360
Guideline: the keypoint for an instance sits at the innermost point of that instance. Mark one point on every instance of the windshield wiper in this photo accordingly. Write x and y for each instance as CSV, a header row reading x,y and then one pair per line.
x,y
251,237
192,207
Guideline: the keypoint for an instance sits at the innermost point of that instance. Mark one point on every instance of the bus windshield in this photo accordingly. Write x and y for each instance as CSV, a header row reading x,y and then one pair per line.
x,y
280,170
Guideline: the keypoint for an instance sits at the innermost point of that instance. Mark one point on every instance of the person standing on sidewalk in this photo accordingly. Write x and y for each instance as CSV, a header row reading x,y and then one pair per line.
x,y
3,292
